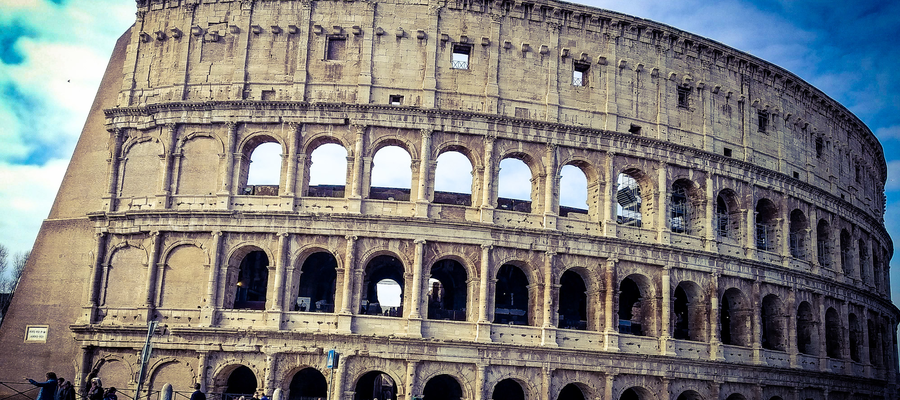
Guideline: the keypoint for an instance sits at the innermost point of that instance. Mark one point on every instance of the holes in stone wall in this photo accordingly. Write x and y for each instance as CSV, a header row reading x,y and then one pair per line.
x,y
846,255
375,385
241,382
571,392
508,389
856,336
734,318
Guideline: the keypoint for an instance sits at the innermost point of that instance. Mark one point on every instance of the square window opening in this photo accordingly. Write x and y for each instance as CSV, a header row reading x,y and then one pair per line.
x,y
763,120
796,175
579,74
684,95
727,152
819,147
334,47
460,58
396,100
635,129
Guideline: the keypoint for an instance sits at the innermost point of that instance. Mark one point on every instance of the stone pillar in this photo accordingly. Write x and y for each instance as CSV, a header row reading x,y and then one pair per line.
x,y
414,327
338,380
791,327
212,285
480,376
609,386
410,379
662,207
665,334
611,334
290,183
114,161
608,204
551,187
226,190
271,365
548,329
492,88
546,371
356,194
715,342
166,189
823,349
202,367
711,233
364,84
552,99
282,253
424,175
750,236
152,266
346,313
845,332
90,301
487,188
483,327
755,315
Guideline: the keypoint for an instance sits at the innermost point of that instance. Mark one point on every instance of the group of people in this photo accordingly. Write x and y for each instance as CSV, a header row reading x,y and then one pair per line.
x,y
60,389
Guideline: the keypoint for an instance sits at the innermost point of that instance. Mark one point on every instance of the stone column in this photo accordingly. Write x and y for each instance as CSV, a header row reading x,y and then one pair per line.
x,y
845,332
480,376
414,327
665,334
791,327
715,342
277,304
611,340
356,194
165,178
823,349
202,367
711,233
114,161
424,172
271,365
551,187
346,314
152,265
662,207
545,381
290,183
608,204
750,236
338,384
212,300
227,179
608,387
492,88
487,188
483,327
548,329
411,367
755,315
90,299
364,84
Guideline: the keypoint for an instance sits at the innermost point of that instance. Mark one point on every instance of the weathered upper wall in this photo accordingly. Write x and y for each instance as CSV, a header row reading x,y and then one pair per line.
x,y
638,76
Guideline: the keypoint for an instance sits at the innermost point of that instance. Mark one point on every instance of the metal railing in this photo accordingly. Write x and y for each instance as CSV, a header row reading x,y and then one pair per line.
x,y
459,64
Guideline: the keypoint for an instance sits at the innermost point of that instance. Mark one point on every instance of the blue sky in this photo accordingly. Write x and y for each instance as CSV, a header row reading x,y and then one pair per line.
x,y
53,53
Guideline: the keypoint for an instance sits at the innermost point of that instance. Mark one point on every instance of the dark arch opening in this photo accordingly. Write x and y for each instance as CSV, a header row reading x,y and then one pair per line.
x,y
383,267
508,389
832,333
734,318
797,234
766,214
511,296
375,385
855,337
442,387
572,302
308,384
806,329
681,315
772,325
846,257
630,394
690,395
630,308
823,243
241,382
571,392
447,295
253,279
318,277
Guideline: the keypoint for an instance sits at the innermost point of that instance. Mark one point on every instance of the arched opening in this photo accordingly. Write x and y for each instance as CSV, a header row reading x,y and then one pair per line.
x,y
375,385
383,286
511,300
634,308
262,174
689,395
508,389
443,387
572,301
807,332
874,344
447,295
241,382
855,336
571,392
734,318
766,225
823,243
391,177
308,384
453,179
736,396
514,186
318,276
772,319
573,191
833,333
728,215
628,200
846,257
328,171
252,281
635,393
876,267
863,260
797,235
682,216
688,312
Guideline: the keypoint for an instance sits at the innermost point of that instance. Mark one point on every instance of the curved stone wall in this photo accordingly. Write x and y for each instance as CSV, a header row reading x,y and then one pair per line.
x,y
732,246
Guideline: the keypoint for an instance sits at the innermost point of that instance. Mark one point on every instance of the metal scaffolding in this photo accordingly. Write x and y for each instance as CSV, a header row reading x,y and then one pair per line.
x,y
628,197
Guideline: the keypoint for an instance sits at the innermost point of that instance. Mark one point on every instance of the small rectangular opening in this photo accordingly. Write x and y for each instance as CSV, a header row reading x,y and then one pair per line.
x,y
796,175
334,47
727,152
763,120
396,100
460,58
684,94
579,73
635,129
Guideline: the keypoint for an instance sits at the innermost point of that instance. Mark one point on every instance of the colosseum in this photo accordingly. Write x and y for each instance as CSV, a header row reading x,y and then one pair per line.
x,y
731,246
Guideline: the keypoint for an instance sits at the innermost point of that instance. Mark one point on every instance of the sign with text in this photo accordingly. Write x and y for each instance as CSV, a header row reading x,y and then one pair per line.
x,y
36,333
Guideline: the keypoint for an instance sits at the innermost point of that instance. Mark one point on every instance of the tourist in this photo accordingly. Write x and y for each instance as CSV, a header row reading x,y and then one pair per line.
x,y
48,388
197,395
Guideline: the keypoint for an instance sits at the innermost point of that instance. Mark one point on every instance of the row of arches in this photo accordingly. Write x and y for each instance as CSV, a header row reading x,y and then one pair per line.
x,y
513,296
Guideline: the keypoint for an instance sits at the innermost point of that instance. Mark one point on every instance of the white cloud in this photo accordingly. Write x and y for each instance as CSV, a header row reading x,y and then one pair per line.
x,y
28,192
514,180
453,173
329,165
391,168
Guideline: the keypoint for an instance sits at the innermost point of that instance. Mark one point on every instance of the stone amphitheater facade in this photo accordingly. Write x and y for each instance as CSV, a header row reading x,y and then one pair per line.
x,y
732,246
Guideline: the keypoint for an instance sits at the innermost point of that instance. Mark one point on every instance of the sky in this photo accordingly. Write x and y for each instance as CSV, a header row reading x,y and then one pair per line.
x,y
53,54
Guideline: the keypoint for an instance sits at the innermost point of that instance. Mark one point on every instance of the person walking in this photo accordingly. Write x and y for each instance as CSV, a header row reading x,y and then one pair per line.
x,y
65,390
96,390
48,388
110,394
